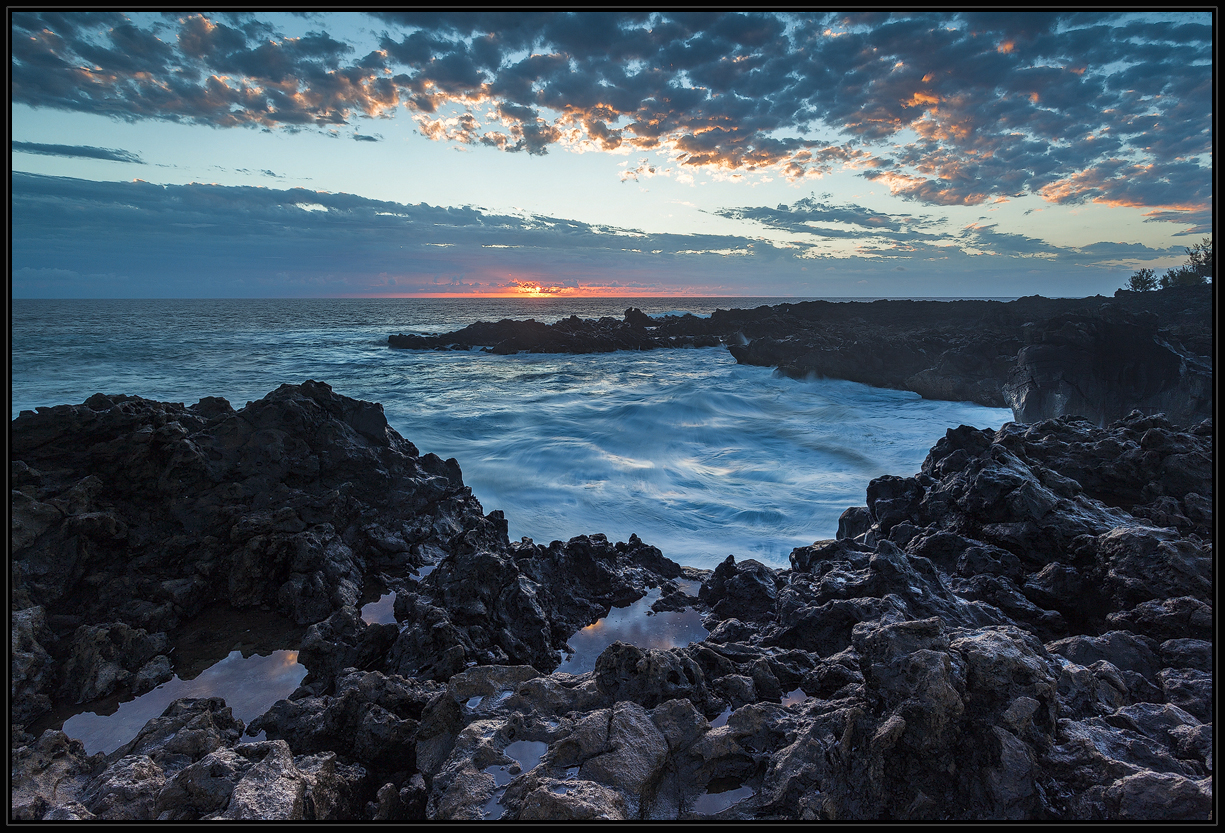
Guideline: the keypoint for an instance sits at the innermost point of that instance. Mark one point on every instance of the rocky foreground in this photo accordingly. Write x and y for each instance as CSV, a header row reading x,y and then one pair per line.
x,y
1022,630
1043,357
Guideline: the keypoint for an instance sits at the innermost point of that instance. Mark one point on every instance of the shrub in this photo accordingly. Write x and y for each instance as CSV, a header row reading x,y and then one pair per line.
x,y
1199,258
1142,281
1182,276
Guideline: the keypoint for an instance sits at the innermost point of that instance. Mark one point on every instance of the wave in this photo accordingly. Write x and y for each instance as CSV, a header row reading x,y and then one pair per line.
x,y
693,453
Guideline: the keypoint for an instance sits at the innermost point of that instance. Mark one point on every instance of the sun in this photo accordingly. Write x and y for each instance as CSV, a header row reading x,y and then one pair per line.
x,y
534,289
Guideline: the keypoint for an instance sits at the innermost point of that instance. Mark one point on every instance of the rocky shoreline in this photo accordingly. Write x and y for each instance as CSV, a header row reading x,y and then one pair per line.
x,y
1022,630
1095,357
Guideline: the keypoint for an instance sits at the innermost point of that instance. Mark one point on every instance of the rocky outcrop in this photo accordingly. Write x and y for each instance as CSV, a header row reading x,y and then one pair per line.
x,y
1102,367
1095,357
187,765
159,509
570,335
1021,630
131,516
1043,357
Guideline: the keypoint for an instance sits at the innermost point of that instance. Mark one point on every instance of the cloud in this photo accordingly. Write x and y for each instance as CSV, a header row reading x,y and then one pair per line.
x,y
644,170
82,151
203,239
1199,221
208,72
1178,185
908,236
809,215
956,108
79,238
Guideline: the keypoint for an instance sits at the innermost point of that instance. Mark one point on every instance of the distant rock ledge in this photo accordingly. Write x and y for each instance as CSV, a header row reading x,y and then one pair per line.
x,y
1098,357
1022,630
637,331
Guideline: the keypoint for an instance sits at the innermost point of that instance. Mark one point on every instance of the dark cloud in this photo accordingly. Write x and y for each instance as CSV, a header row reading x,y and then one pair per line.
x,y
83,151
1177,184
196,69
892,236
953,108
199,232
811,216
1197,222
44,202
148,240
1017,245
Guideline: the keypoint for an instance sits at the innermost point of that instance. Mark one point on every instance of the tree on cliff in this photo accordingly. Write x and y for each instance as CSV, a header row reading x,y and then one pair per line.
x,y
1199,260
1195,272
1142,281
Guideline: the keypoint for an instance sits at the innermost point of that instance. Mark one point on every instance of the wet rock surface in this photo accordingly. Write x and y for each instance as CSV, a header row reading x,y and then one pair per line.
x,y
1043,357
1021,630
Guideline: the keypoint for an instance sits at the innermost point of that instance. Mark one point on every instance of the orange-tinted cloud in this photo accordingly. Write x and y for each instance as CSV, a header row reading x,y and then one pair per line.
x,y
1173,187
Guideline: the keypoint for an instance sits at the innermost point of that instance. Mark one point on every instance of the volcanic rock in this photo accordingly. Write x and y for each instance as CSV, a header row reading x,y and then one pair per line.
x,y
1044,357
1003,635
637,331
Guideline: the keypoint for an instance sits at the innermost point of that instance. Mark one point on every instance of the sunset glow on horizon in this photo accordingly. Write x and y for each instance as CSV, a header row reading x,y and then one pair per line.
x,y
555,292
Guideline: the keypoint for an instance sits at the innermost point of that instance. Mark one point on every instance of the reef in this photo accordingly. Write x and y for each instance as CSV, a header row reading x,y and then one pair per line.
x,y
1098,357
1021,630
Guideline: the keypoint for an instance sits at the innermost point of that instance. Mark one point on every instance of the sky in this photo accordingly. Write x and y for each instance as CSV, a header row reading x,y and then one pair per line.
x,y
321,154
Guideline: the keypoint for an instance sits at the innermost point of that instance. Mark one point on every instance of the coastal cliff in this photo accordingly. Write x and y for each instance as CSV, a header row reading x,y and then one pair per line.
x,y
1021,630
1095,357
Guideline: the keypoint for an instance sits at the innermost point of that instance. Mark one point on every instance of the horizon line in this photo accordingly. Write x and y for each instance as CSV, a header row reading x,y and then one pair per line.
x,y
520,297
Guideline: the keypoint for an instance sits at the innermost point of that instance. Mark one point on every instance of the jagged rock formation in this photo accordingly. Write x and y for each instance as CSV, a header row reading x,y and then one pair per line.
x,y
1101,366
1043,357
1021,630
570,335
131,516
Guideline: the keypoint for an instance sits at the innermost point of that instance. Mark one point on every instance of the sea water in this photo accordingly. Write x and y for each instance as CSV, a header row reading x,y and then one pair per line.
x,y
697,455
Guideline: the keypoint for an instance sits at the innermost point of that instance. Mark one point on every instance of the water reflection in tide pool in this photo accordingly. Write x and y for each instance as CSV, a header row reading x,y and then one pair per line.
x,y
526,754
250,685
636,625
791,698
718,798
382,611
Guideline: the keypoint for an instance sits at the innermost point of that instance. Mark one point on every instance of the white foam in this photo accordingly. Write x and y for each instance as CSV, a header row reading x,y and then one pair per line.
x,y
695,454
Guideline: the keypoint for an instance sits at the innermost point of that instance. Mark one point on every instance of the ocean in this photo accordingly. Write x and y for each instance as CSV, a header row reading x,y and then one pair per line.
x,y
697,455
